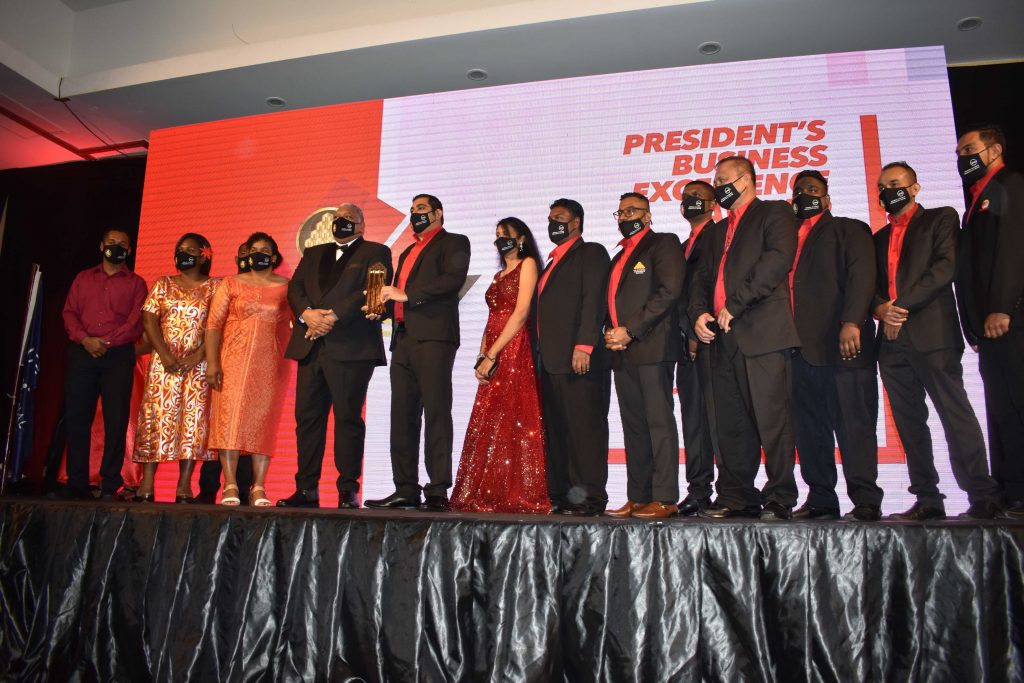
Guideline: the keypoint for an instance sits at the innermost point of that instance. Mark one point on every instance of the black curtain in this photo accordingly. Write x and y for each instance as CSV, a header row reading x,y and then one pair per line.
x,y
55,217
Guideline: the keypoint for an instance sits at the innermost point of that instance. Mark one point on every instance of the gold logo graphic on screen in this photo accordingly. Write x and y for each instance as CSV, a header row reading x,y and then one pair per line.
x,y
318,228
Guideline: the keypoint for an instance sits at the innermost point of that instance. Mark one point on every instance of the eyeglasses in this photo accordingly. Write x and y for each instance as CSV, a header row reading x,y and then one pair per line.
x,y
629,212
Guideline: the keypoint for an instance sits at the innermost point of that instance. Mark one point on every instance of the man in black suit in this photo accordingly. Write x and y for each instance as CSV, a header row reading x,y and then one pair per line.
x,y
337,348
573,365
642,332
693,374
835,386
921,347
990,285
742,290
424,307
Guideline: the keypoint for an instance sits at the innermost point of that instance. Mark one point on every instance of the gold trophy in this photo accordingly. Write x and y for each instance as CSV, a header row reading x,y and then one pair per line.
x,y
375,279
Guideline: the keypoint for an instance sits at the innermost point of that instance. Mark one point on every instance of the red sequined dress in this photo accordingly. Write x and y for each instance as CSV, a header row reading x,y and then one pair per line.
x,y
502,464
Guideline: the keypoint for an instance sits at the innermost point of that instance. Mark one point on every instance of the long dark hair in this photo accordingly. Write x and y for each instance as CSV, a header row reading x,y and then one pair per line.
x,y
517,228
276,258
204,244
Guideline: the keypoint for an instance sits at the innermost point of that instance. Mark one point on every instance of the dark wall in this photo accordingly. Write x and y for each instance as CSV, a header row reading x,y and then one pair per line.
x,y
991,94
55,217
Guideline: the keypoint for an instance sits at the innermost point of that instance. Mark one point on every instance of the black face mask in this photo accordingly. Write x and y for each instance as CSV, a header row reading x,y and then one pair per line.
x,y
694,206
243,264
894,199
807,206
259,261
971,168
419,221
343,228
505,245
727,195
185,261
630,227
557,232
115,253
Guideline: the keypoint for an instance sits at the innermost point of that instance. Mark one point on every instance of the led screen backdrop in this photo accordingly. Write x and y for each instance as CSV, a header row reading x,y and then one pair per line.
x,y
488,153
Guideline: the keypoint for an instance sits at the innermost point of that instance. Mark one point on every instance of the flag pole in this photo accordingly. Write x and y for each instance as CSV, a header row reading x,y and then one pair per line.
x,y
30,305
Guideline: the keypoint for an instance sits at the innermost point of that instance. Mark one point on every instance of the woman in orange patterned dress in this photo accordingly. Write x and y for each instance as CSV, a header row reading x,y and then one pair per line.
x,y
174,413
246,335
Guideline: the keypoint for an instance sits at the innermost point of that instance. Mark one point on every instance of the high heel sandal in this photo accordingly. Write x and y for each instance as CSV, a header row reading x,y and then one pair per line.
x,y
184,499
261,500
143,498
228,499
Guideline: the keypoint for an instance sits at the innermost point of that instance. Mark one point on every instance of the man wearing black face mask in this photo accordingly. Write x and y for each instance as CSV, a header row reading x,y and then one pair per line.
x,y
990,287
693,374
569,307
742,287
835,388
921,346
337,349
423,304
642,332
103,318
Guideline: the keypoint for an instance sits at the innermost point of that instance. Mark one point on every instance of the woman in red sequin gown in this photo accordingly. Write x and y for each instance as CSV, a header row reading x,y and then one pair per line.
x,y
502,464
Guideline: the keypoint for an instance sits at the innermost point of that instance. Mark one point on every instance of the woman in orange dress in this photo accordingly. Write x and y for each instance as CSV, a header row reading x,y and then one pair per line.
x,y
246,335
174,413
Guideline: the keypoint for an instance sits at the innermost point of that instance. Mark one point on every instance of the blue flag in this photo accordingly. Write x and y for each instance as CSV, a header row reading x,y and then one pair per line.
x,y
21,449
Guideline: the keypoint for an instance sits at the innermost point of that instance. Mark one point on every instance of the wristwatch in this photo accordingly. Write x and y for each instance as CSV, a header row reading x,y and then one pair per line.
x,y
629,333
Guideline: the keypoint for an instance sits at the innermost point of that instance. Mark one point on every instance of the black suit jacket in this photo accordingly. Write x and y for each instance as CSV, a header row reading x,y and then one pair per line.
x,y
321,281
646,299
834,283
756,277
432,312
572,308
991,263
924,279
690,270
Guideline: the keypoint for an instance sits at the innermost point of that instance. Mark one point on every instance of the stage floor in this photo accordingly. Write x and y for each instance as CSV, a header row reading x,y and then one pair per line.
x,y
172,592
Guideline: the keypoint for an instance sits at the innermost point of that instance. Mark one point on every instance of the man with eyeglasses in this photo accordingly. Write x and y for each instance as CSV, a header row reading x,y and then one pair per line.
x,y
990,286
642,332
835,385
740,305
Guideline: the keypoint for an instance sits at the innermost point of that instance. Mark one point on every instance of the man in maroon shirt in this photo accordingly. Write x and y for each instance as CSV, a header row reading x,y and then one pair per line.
x,y
103,318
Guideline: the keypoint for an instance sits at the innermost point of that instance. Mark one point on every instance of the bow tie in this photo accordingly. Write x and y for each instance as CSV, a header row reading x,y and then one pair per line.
x,y
341,248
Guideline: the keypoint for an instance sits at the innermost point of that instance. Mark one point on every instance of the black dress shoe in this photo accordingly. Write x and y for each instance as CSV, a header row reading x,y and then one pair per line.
x,y
347,500
722,511
584,510
300,499
205,498
395,501
1014,509
864,513
691,506
435,504
919,512
777,512
982,509
807,511
108,496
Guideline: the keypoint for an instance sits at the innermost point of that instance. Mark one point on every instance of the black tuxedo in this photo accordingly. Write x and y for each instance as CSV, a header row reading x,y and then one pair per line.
x,y
833,283
334,370
693,382
751,365
646,295
926,357
569,309
423,354
991,280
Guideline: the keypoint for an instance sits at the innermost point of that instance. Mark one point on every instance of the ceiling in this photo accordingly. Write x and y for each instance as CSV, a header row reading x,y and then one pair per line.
x,y
130,66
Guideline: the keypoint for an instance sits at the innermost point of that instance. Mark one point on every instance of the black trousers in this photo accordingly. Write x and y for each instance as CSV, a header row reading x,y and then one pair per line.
x,y
1001,362
693,381
109,379
322,384
836,405
649,431
421,389
908,375
576,430
752,412
209,478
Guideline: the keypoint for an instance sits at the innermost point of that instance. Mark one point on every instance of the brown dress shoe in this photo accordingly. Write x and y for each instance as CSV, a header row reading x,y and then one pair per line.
x,y
626,510
656,510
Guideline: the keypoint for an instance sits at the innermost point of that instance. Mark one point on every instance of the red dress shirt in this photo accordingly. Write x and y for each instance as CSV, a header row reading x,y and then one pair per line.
x,y
977,188
801,238
694,234
628,244
105,306
422,240
556,255
735,216
898,232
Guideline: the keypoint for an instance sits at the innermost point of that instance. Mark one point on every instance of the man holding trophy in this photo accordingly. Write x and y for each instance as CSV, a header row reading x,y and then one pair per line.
x,y
337,348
